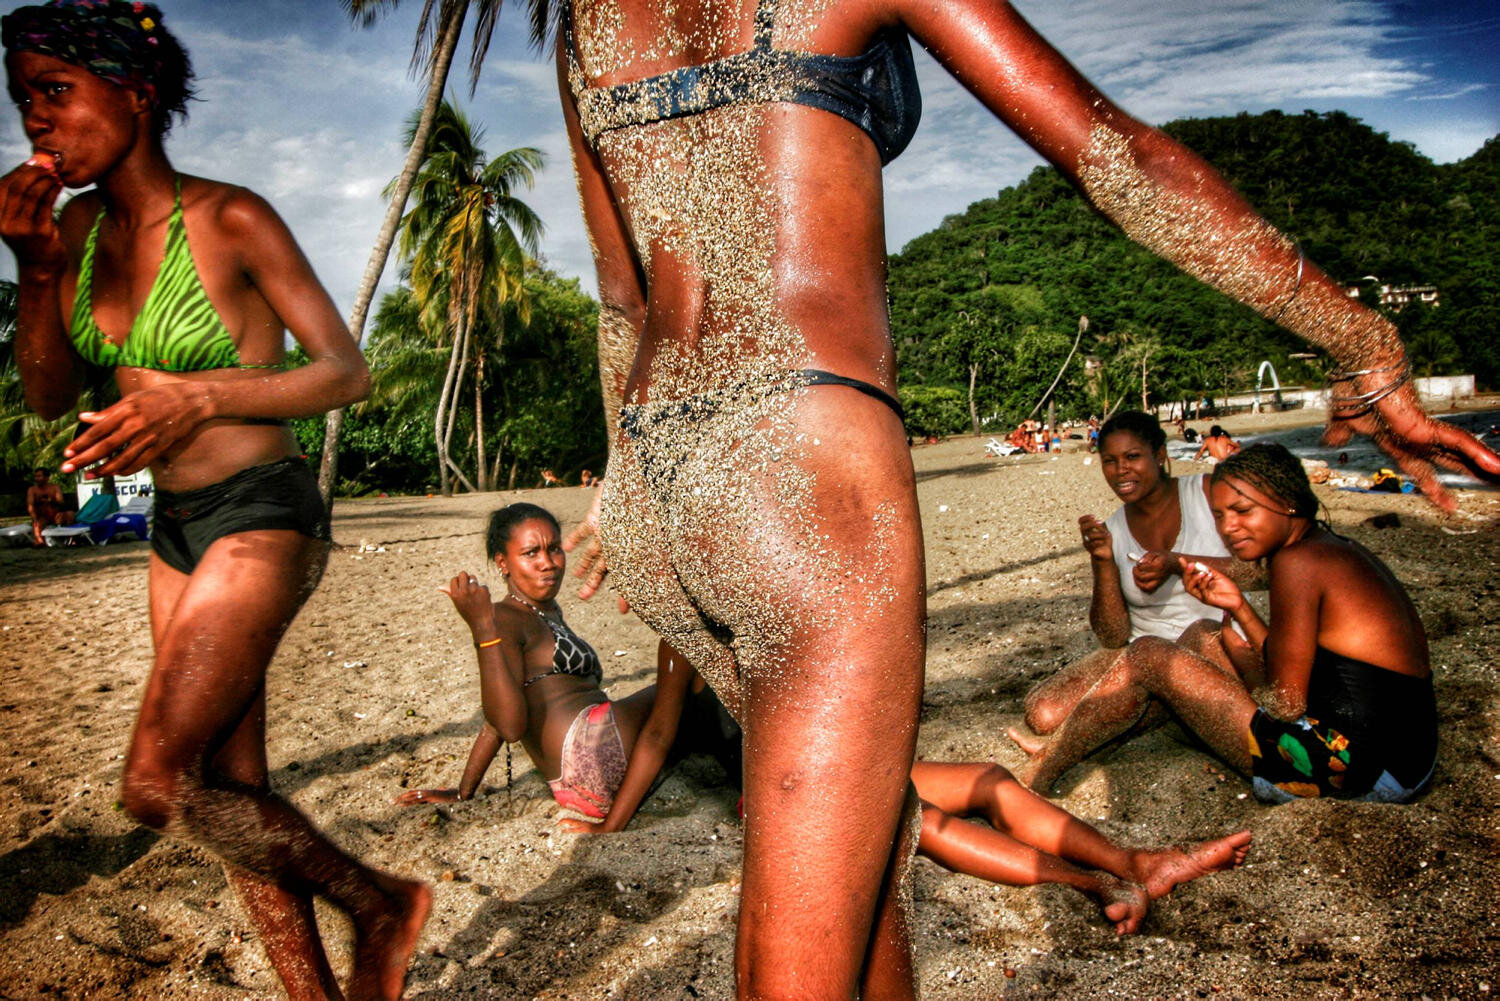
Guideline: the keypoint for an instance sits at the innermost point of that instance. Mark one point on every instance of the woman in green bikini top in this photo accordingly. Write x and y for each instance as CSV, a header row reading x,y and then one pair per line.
x,y
185,287
177,329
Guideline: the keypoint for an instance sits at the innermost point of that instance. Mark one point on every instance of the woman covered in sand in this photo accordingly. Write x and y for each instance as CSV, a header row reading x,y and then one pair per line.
x,y
184,286
1333,698
540,683
759,510
1136,558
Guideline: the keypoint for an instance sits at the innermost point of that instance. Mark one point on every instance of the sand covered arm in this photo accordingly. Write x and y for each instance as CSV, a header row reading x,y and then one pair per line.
x,y
1171,201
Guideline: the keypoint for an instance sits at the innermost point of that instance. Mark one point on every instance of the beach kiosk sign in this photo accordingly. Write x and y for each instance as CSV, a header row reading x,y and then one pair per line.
x,y
126,487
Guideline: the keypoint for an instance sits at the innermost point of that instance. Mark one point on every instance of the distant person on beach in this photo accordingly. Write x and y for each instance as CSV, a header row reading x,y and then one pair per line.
x,y
540,683
1218,445
1136,557
760,510
44,503
1188,434
184,287
1332,698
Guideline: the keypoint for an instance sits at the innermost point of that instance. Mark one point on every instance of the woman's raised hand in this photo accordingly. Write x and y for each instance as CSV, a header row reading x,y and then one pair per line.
x,y
472,599
1209,587
1096,538
27,195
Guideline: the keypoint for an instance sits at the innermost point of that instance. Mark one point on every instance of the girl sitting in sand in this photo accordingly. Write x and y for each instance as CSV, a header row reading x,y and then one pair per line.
x,y
1135,557
1334,698
540,683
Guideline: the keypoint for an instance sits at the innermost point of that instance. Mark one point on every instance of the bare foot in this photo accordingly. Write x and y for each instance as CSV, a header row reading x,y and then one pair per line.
x,y
1030,743
384,942
1159,872
1124,905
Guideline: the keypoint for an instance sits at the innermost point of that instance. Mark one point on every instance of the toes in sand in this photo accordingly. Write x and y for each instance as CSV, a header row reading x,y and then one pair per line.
x,y
1163,870
1124,906
1030,743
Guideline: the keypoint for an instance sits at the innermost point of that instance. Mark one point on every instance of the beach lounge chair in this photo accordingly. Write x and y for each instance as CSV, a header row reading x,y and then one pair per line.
x,y
132,519
99,507
16,535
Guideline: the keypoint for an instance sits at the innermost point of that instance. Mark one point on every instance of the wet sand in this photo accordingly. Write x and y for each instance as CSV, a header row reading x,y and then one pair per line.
x,y
375,690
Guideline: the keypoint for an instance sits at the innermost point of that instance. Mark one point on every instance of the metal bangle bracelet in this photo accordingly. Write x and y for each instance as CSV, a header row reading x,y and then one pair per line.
x,y
1297,287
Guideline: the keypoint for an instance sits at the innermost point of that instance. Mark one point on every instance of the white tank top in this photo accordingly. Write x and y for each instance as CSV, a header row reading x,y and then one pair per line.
x,y
1169,610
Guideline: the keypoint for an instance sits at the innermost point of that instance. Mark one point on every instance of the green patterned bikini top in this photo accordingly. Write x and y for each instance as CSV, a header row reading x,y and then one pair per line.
x,y
177,330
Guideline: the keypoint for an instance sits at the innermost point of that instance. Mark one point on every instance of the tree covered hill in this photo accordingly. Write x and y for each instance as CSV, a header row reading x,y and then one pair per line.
x,y
994,293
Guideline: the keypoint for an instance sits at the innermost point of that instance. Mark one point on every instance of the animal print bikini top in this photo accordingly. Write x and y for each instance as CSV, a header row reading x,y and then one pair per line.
x,y
570,653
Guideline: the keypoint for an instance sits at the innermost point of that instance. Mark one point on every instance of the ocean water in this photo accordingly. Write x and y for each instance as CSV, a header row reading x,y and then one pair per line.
x,y
1364,457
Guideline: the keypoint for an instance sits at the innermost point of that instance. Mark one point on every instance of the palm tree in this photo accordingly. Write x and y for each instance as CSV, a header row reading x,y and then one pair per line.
x,y
467,237
438,31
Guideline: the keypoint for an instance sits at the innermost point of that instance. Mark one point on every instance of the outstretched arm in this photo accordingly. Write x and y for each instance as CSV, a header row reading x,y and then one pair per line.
x,y
500,691
673,676
486,745
1173,202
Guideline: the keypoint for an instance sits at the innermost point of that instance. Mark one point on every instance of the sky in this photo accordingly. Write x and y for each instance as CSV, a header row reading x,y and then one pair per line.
x,y
307,109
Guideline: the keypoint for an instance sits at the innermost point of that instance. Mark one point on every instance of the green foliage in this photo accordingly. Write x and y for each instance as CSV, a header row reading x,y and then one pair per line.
x,y
541,397
1358,203
937,410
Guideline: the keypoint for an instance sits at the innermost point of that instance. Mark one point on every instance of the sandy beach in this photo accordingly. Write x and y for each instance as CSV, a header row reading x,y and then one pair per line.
x,y
375,689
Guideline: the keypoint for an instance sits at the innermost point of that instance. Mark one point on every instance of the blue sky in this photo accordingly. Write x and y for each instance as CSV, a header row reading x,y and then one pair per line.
x,y
308,110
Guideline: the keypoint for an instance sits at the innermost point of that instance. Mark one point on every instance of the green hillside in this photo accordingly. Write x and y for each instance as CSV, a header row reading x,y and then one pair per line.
x,y
996,291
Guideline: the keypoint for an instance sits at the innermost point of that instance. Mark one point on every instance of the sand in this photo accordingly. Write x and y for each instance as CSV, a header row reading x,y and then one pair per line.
x,y
374,689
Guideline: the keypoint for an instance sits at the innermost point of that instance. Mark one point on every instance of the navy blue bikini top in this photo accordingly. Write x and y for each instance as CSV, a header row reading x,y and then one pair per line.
x,y
876,90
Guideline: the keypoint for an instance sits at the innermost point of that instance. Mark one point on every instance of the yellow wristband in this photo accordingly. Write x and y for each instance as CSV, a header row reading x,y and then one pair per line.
x,y
487,643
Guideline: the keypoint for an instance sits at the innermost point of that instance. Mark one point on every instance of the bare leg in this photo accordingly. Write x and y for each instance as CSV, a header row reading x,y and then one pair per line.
x,y
285,922
1050,702
1210,701
889,969
981,851
832,677
993,793
210,669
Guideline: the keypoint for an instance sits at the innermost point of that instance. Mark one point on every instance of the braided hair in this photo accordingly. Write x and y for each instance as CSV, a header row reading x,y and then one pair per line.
x,y
1275,472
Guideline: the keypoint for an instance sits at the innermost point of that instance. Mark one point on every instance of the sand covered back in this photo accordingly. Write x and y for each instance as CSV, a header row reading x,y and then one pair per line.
x,y
375,689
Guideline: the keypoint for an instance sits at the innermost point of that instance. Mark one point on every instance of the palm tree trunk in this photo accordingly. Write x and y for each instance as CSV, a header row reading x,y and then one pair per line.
x,y
447,43
463,341
439,439
481,471
973,408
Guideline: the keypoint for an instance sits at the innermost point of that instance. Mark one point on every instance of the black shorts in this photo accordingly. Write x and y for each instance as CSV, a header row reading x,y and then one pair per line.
x,y
278,495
